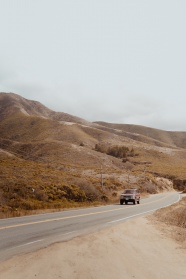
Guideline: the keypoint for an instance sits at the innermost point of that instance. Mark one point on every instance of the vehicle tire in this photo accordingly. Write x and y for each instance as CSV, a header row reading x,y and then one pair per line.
x,y
138,201
126,202
134,202
121,202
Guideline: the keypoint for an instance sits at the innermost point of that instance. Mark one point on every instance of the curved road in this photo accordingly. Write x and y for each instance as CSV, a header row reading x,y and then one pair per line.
x,y
29,233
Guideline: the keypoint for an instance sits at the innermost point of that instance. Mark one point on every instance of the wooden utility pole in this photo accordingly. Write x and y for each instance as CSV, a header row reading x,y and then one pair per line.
x,y
101,178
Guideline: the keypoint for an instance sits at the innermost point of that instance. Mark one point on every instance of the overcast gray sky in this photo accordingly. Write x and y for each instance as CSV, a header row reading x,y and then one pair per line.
x,y
120,61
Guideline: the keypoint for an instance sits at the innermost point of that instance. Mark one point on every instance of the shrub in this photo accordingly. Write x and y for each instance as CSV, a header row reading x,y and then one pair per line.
x,y
91,192
104,198
118,151
115,151
100,148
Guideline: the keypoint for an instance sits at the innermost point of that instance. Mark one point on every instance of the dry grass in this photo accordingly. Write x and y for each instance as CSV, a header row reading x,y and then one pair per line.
x,y
41,152
174,215
149,135
173,220
27,185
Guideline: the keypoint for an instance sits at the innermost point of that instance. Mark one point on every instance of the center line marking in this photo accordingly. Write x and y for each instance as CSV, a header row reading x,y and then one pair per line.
x,y
74,216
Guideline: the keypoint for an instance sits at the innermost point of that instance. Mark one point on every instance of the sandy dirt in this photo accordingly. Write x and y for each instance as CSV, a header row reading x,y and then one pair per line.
x,y
134,249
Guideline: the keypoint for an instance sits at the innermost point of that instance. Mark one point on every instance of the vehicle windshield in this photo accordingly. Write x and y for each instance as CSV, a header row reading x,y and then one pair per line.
x,y
129,191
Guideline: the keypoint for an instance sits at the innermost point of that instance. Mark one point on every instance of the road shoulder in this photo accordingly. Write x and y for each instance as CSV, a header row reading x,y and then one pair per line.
x,y
136,249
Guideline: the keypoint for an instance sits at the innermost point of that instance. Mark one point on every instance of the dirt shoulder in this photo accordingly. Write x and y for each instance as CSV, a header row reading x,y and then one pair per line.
x,y
172,221
135,249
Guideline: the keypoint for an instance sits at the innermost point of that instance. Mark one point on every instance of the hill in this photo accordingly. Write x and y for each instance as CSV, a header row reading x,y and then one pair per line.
x,y
150,135
55,160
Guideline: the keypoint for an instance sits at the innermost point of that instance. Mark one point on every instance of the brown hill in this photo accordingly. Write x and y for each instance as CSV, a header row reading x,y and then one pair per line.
x,y
62,157
149,135
12,103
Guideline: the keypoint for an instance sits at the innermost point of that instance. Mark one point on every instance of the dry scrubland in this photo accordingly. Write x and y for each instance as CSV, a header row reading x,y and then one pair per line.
x,y
173,221
52,161
30,185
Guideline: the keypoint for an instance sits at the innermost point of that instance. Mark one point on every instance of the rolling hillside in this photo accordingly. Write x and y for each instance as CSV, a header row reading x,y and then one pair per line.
x,y
149,135
62,158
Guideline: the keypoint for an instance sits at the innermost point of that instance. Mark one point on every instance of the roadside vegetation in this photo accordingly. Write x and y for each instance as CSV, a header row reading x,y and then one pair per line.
x,y
51,176
116,151
27,186
173,219
53,161
174,215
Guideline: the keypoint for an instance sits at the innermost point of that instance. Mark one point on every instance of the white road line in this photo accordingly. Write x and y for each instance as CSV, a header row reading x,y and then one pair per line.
x,y
130,216
68,233
143,212
29,243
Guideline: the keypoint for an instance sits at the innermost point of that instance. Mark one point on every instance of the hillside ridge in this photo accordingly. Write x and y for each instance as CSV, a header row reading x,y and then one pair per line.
x,y
11,103
63,157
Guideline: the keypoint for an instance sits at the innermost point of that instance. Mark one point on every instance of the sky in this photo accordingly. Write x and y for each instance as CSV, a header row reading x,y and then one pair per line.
x,y
118,61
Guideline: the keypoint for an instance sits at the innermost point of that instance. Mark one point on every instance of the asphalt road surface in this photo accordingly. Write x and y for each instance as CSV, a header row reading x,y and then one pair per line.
x,y
26,234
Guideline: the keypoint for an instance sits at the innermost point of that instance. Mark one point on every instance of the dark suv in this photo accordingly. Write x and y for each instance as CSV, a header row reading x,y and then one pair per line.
x,y
130,195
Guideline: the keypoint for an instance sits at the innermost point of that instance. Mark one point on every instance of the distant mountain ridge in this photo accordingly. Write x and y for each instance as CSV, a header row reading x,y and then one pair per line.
x,y
12,104
62,157
174,139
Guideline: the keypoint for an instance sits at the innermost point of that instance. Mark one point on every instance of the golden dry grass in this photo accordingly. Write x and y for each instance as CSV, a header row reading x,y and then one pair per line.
x,y
173,219
41,151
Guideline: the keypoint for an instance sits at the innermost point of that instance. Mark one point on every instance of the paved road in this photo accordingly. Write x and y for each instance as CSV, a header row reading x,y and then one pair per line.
x,y
29,233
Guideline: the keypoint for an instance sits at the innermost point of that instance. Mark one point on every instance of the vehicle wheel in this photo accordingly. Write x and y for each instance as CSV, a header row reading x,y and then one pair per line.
x,y
121,202
138,201
126,202
134,202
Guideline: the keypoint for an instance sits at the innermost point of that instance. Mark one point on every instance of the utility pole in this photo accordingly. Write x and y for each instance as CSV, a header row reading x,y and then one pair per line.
x,y
101,178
